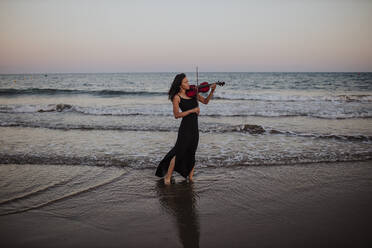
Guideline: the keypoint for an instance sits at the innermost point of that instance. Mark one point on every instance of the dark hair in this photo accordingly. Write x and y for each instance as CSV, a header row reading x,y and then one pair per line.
x,y
175,87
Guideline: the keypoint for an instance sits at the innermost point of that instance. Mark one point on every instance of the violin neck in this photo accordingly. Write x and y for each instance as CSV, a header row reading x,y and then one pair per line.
x,y
207,85
204,85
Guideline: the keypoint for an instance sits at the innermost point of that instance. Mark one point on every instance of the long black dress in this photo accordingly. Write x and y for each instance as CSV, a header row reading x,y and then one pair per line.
x,y
186,144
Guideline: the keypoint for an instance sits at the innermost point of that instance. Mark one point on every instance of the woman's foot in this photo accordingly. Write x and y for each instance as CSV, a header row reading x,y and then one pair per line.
x,y
167,181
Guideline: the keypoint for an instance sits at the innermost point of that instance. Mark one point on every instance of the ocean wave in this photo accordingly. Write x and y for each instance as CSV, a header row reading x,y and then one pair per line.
x,y
269,97
313,115
150,112
233,110
151,162
244,128
294,98
48,91
34,108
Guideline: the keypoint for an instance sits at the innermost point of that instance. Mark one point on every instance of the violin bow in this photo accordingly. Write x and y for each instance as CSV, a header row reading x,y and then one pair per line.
x,y
197,85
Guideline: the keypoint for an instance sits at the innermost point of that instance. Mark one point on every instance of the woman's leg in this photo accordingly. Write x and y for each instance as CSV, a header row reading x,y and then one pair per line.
x,y
191,173
168,176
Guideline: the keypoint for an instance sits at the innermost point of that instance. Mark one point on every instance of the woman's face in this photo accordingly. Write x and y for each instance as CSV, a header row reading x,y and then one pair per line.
x,y
185,84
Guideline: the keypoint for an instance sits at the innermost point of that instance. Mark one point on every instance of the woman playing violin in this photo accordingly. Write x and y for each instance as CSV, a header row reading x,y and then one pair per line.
x,y
181,157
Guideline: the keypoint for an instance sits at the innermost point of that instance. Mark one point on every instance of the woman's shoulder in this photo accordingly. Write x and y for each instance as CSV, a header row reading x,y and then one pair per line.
x,y
184,97
177,98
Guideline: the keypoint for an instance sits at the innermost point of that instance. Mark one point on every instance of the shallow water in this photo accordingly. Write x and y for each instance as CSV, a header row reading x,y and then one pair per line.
x,y
125,119
321,205
144,149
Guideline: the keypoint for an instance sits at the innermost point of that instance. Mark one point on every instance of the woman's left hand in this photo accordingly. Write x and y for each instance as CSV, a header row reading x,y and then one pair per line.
x,y
213,86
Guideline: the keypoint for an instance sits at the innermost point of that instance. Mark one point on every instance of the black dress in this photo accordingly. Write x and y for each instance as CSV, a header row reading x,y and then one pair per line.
x,y
186,144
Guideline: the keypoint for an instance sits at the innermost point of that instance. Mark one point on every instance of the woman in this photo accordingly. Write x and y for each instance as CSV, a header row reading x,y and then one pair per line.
x,y
181,157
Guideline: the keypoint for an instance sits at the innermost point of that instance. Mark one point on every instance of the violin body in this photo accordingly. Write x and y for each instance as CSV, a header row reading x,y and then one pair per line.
x,y
203,87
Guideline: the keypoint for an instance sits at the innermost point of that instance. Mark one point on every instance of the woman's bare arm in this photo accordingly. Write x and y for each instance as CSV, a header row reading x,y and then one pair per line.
x,y
201,99
206,100
176,112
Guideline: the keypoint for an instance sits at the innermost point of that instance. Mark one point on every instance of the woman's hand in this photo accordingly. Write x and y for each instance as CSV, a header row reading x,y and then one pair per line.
x,y
196,110
213,86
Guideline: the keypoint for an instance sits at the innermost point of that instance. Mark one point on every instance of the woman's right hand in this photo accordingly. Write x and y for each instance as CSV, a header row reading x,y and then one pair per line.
x,y
196,110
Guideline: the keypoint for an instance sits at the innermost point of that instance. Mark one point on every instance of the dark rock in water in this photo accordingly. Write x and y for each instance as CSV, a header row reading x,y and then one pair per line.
x,y
253,129
275,131
46,110
60,107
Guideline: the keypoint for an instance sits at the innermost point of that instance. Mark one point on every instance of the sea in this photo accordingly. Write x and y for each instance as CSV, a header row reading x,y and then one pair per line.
x,y
126,120
289,151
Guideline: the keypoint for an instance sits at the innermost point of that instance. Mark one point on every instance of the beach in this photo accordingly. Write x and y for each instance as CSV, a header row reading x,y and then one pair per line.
x,y
283,160
309,205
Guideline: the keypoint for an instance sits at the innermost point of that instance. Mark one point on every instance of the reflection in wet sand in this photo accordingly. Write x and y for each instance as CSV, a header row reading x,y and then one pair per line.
x,y
179,200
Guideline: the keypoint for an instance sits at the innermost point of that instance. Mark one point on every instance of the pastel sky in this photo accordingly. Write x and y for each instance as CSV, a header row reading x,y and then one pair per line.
x,y
44,36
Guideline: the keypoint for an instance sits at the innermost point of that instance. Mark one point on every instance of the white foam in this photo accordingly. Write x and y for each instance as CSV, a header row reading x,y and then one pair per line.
x,y
291,97
326,109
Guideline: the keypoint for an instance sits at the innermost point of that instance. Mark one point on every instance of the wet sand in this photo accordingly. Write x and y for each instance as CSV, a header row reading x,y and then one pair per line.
x,y
310,205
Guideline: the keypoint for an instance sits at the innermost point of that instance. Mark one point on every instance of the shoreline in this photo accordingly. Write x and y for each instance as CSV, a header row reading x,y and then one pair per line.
x,y
317,205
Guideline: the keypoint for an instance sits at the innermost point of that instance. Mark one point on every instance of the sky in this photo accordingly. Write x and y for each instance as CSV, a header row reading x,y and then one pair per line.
x,y
46,36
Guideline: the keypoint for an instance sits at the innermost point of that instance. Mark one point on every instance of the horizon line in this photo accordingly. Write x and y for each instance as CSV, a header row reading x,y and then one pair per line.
x,y
46,73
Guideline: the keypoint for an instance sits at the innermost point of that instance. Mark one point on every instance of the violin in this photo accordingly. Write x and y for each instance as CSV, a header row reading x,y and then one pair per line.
x,y
203,87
